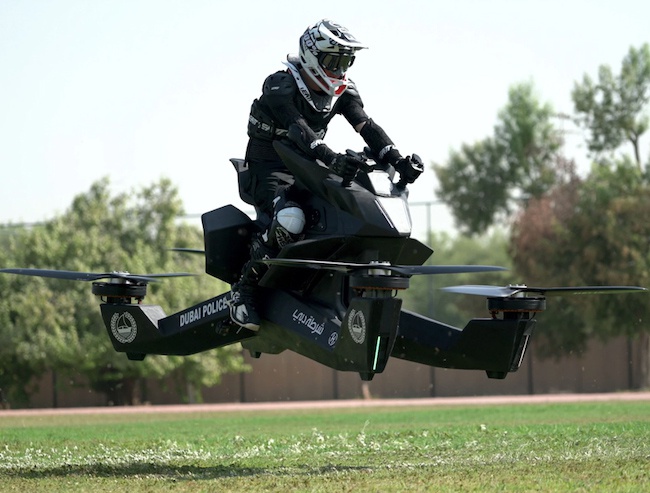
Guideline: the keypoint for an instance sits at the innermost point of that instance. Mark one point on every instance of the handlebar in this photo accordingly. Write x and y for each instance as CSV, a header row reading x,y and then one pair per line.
x,y
365,167
401,184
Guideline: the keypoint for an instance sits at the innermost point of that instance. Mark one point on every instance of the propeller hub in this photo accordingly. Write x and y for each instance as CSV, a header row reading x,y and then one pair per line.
x,y
380,282
119,291
516,304
379,271
519,290
119,277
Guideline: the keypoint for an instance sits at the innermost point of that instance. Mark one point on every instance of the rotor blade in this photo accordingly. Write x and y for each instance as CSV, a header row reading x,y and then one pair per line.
x,y
188,250
153,277
579,290
165,274
90,276
404,270
411,270
503,292
59,274
317,264
145,277
478,290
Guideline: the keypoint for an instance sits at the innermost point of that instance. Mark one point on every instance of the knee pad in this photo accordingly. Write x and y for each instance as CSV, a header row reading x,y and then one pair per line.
x,y
287,225
291,218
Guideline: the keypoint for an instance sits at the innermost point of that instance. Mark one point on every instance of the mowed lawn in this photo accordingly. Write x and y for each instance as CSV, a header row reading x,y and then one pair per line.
x,y
591,446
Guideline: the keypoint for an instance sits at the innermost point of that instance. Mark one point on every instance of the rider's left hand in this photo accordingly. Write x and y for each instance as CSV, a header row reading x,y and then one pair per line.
x,y
410,168
347,166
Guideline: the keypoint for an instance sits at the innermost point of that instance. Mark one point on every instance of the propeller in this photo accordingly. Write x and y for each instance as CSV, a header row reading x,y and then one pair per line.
x,y
188,250
92,276
514,289
403,270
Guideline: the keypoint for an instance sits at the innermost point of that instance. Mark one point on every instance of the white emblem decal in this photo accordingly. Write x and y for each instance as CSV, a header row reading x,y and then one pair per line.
x,y
357,326
334,336
123,327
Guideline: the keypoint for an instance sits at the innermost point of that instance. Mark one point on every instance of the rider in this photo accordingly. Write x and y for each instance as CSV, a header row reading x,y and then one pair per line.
x,y
298,103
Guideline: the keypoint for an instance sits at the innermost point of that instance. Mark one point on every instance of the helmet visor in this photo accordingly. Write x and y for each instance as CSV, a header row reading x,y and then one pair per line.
x,y
336,63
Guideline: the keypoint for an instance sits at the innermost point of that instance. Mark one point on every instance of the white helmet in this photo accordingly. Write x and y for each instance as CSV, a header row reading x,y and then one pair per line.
x,y
326,52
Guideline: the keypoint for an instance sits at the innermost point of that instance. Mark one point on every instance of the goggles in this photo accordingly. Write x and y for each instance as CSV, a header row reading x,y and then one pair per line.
x,y
336,63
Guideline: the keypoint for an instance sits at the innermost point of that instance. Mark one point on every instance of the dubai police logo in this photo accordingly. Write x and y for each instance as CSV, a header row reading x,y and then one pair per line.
x,y
123,327
357,326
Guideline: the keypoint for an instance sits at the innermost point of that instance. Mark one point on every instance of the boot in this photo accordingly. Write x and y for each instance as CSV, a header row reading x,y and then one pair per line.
x,y
243,307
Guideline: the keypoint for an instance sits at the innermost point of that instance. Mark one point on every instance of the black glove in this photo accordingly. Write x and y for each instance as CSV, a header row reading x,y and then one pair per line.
x,y
410,168
346,166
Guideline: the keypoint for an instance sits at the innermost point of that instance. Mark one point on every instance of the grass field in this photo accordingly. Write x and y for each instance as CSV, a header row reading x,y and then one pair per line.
x,y
602,446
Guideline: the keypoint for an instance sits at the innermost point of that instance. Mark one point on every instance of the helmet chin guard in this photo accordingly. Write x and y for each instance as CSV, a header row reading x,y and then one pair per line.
x,y
326,52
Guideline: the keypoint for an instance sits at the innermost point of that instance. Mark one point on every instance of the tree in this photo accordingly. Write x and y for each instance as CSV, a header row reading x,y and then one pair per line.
x,y
486,181
27,349
571,231
613,109
57,324
591,232
595,231
539,233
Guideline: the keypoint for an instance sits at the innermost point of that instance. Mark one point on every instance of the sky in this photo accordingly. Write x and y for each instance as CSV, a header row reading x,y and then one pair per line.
x,y
137,90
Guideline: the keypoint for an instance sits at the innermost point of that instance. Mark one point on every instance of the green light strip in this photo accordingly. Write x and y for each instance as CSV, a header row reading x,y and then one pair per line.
x,y
374,365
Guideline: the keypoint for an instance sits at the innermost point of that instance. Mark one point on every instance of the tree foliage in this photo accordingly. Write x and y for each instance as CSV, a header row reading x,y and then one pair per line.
x,y
486,181
595,230
614,109
591,232
570,230
53,324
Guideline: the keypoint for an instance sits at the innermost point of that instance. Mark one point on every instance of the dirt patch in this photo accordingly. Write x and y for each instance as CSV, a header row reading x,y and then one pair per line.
x,y
333,404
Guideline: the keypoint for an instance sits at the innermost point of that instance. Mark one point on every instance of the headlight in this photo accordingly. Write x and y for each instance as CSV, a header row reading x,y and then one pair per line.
x,y
396,212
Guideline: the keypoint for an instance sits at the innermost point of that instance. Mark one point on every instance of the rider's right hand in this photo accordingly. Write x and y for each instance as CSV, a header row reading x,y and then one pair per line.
x,y
346,166
410,168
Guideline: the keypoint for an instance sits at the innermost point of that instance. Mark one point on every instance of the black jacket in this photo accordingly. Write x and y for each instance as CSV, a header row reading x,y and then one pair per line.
x,y
286,101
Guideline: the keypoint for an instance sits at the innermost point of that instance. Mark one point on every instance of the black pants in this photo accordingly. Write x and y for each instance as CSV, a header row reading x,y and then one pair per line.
x,y
268,179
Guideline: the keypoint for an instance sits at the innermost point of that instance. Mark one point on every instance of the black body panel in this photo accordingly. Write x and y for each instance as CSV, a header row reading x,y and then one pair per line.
x,y
349,322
